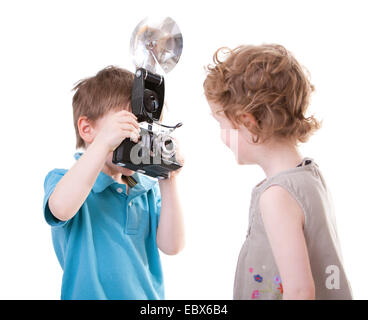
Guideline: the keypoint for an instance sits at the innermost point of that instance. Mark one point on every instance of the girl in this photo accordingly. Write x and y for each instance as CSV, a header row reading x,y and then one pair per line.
x,y
259,95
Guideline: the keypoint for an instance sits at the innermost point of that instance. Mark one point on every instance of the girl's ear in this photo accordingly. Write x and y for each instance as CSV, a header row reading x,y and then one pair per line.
x,y
248,120
85,129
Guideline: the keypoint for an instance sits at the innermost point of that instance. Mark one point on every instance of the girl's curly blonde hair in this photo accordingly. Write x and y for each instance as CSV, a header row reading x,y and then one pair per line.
x,y
267,82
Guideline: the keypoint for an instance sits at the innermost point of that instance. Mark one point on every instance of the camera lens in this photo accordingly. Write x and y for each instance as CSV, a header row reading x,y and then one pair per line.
x,y
168,148
150,100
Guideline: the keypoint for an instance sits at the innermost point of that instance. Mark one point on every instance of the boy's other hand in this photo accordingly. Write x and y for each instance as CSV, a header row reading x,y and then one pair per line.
x,y
179,158
115,127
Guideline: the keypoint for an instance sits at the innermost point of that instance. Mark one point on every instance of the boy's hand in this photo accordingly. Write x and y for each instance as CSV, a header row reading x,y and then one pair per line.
x,y
116,127
179,158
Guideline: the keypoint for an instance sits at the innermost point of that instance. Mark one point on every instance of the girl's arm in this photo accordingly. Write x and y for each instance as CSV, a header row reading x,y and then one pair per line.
x,y
284,221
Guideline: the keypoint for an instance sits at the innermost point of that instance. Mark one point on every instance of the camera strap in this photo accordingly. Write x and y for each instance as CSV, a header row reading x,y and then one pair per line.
x,y
131,181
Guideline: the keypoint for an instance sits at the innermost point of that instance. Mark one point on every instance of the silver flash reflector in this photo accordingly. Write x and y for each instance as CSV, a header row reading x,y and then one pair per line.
x,y
156,43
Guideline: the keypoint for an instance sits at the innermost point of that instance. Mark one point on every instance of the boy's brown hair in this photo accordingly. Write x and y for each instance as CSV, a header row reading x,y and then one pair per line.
x,y
267,82
110,89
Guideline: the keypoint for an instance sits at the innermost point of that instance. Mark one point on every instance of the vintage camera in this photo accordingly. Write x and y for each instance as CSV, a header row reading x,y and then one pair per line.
x,y
154,154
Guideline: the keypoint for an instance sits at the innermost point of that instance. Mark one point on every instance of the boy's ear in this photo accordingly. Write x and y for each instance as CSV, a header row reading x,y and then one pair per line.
x,y
85,128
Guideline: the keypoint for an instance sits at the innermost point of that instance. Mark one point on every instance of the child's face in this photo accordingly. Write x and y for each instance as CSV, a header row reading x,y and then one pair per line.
x,y
237,139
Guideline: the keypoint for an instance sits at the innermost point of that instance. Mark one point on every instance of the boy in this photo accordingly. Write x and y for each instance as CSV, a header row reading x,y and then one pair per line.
x,y
260,95
108,222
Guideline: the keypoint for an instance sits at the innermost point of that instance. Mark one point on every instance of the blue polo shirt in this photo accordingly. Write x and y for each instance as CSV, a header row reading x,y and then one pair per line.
x,y
108,249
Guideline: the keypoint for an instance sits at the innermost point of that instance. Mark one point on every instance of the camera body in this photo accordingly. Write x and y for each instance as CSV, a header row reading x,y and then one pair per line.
x,y
148,95
154,154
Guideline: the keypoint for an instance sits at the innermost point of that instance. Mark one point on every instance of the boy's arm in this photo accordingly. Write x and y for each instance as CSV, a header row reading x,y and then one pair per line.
x,y
170,231
73,188
284,220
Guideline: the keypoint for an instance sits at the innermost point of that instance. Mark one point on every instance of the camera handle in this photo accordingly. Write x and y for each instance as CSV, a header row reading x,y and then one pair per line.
x,y
172,128
178,125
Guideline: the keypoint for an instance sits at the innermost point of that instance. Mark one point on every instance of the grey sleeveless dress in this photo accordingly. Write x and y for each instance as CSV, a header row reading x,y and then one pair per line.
x,y
257,276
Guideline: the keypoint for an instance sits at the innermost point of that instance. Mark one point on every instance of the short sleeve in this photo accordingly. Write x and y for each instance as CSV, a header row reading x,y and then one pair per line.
x,y
51,180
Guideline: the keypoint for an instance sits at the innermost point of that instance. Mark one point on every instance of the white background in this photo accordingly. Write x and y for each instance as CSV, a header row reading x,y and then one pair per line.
x,y
47,46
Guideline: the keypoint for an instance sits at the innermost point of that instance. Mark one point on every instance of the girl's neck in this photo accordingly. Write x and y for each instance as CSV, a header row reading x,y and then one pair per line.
x,y
278,157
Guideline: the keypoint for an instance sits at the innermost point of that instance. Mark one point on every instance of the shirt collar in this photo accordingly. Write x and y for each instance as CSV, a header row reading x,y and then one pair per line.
x,y
137,182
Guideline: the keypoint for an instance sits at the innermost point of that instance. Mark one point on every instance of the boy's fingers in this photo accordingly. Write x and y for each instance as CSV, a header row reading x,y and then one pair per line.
x,y
126,112
130,120
132,135
129,128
